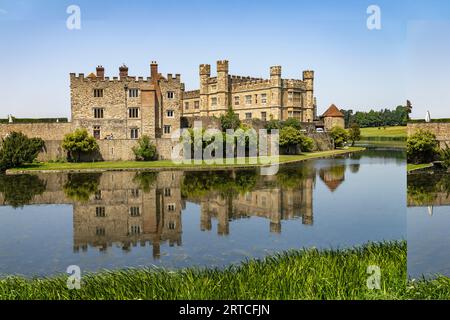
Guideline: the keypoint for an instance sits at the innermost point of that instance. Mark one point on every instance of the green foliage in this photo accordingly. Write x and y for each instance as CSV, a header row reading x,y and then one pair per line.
x,y
19,190
292,122
197,184
78,143
81,186
354,133
145,150
292,137
273,125
17,149
332,274
339,135
422,147
145,180
445,156
230,120
384,117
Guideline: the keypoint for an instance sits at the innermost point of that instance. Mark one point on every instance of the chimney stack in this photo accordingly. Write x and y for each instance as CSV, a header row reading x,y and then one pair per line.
x,y
154,70
100,72
123,71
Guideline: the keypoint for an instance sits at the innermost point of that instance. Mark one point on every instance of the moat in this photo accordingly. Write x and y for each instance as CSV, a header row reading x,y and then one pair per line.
x,y
178,219
428,223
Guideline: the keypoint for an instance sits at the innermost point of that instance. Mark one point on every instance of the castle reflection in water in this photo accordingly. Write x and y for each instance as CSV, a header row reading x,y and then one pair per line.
x,y
128,209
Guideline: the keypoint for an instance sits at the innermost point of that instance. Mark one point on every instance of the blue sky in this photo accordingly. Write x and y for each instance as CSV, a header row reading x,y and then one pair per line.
x,y
356,68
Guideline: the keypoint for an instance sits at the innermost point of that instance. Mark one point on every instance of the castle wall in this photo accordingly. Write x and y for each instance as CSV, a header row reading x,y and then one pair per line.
x,y
46,131
440,130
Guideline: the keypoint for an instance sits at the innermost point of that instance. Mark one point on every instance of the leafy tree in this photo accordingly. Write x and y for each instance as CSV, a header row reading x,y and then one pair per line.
x,y
17,149
19,190
291,137
354,133
384,117
273,124
230,120
79,142
339,135
81,186
145,150
292,122
422,147
145,180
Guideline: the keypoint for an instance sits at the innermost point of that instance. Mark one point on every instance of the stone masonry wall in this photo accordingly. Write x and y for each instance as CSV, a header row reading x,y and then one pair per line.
x,y
440,130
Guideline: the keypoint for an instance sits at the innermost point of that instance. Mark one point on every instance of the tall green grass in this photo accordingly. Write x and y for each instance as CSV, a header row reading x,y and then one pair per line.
x,y
304,274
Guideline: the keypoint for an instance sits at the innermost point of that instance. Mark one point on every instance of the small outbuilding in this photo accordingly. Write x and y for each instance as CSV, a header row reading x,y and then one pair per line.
x,y
333,117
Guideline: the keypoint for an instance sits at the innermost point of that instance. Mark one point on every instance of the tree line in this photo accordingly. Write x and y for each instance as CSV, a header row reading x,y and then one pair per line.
x,y
372,118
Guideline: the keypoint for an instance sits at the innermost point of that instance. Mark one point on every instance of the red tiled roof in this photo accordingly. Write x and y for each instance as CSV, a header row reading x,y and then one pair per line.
x,y
333,111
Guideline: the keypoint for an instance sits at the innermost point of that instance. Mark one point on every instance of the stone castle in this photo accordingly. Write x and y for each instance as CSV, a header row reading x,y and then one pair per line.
x,y
119,110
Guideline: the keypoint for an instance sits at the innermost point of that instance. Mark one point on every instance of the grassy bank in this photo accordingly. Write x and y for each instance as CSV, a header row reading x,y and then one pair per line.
x,y
411,167
301,274
168,164
395,133
306,274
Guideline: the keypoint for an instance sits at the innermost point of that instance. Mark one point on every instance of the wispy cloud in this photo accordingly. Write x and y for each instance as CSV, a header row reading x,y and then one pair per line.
x,y
3,11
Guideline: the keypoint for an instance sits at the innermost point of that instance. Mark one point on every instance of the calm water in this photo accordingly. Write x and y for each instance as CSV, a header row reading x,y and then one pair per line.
x,y
179,219
428,224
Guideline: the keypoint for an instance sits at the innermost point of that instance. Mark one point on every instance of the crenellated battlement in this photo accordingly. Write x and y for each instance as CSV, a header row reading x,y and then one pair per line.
x,y
191,94
251,84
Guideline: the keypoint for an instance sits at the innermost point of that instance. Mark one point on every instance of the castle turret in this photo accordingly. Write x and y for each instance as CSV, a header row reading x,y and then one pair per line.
x,y
100,72
276,93
222,86
205,74
308,113
123,71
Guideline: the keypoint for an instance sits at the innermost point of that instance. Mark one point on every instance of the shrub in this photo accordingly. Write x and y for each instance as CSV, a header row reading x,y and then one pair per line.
x,y
354,133
422,147
292,122
17,149
291,137
79,142
145,150
230,120
339,135
445,156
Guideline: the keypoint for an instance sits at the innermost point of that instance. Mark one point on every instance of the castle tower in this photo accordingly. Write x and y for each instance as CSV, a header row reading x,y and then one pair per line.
x,y
308,113
222,86
205,73
275,92
123,71
100,72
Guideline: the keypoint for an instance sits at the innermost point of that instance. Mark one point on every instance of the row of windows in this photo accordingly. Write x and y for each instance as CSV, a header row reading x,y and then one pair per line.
x,y
100,212
134,132
134,194
133,113
132,93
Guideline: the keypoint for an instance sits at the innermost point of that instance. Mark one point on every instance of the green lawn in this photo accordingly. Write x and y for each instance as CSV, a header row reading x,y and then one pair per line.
x,y
300,274
388,132
412,167
168,164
